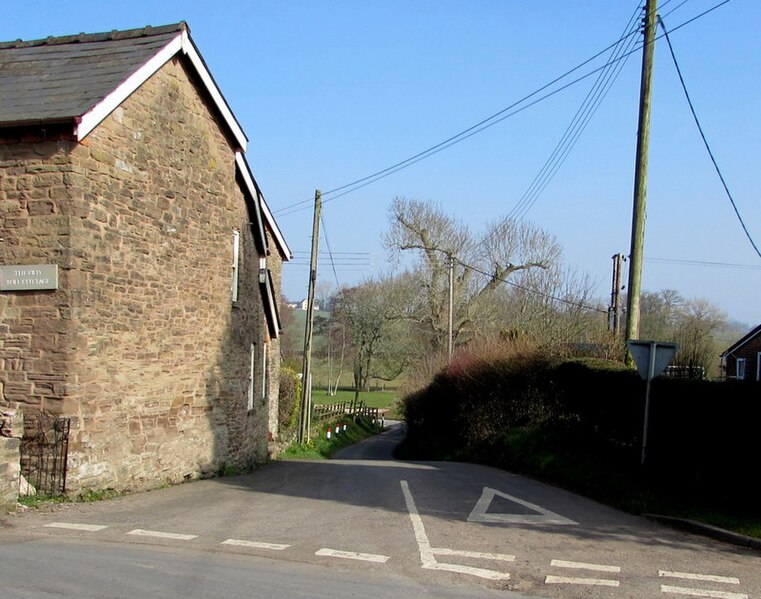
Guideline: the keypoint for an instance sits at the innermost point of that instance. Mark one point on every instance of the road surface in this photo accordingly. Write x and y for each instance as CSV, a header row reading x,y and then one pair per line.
x,y
372,527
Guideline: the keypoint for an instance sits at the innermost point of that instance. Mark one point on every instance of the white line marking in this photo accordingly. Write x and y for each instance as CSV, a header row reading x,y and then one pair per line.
x,y
75,526
582,566
161,535
424,545
701,593
364,557
544,516
427,558
476,554
480,572
255,544
585,581
706,577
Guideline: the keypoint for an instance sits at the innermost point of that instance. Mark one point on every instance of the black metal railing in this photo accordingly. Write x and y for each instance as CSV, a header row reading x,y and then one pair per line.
x,y
44,453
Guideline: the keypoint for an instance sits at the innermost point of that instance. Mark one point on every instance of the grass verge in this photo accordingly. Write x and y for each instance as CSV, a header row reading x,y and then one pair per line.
x,y
322,448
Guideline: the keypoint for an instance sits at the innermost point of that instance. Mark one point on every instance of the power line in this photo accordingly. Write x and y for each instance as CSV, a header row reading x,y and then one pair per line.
x,y
704,264
482,125
705,141
445,143
330,253
363,254
581,119
529,290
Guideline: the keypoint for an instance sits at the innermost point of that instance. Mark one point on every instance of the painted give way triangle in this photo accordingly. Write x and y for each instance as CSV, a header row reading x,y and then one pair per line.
x,y
522,512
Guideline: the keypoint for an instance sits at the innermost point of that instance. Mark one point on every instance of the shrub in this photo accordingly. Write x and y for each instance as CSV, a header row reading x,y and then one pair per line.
x,y
288,402
579,422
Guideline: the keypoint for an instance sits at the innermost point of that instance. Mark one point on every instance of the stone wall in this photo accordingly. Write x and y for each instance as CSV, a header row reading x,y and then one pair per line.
x,y
11,429
35,176
142,344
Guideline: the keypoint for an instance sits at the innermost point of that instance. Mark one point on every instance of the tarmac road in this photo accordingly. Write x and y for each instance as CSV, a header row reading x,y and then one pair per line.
x,y
364,518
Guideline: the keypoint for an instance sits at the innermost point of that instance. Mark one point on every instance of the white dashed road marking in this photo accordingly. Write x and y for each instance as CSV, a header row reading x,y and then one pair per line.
x,y
364,557
701,592
76,526
705,577
582,566
607,582
694,592
428,554
503,557
161,535
255,544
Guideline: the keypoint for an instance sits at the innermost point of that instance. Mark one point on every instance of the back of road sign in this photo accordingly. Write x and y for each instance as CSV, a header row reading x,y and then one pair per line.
x,y
649,365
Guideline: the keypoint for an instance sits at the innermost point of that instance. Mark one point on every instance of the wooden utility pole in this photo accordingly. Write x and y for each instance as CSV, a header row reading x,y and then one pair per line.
x,y
615,295
640,176
306,373
450,336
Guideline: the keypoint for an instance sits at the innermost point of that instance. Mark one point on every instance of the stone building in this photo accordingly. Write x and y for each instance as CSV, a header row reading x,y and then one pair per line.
x,y
140,267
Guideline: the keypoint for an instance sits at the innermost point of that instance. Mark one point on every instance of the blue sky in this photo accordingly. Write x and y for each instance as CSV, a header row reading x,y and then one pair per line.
x,y
331,91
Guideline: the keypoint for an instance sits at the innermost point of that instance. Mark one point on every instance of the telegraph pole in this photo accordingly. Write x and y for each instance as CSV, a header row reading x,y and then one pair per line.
x,y
450,336
640,176
306,375
615,295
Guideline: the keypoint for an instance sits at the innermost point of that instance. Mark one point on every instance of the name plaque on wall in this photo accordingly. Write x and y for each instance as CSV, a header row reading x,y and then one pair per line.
x,y
28,277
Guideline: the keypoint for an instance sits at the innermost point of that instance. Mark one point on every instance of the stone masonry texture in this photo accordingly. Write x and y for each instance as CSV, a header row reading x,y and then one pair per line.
x,y
141,345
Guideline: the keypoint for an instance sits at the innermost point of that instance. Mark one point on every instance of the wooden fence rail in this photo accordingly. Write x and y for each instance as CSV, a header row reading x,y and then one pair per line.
x,y
323,412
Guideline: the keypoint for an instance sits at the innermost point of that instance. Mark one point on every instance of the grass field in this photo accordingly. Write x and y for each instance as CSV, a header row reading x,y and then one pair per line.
x,y
373,399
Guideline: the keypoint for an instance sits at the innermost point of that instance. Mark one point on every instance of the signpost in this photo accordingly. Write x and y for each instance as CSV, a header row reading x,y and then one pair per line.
x,y
28,277
652,358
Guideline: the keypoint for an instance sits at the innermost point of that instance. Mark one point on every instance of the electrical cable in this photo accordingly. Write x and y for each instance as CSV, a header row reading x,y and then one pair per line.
x,y
705,141
703,264
528,289
581,119
413,159
474,129
330,253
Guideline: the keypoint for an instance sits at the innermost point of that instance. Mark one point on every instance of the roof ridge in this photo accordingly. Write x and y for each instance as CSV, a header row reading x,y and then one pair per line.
x,y
115,34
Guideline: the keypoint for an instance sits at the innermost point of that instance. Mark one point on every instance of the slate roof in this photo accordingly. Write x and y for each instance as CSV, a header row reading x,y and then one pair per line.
x,y
58,79
81,79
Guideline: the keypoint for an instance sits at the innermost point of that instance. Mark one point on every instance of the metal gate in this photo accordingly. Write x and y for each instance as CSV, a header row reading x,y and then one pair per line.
x,y
44,452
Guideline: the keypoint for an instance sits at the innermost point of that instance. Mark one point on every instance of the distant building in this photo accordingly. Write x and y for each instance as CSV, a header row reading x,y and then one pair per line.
x,y
302,305
140,265
742,360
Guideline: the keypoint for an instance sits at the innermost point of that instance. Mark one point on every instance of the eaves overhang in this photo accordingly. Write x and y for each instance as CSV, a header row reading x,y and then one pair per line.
x,y
181,44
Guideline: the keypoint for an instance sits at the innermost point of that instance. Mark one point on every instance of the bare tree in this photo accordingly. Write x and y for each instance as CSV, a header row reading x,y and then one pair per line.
x,y
480,264
370,315
555,307
693,324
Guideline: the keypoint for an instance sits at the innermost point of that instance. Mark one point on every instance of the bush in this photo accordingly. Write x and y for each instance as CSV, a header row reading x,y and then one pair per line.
x,y
288,402
579,422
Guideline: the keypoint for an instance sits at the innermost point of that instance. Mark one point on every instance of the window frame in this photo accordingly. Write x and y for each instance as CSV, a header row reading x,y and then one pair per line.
x,y
235,266
251,378
740,371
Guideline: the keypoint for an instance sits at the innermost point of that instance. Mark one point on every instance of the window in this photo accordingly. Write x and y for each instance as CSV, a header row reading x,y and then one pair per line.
x,y
251,378
264,372
236,258
740,369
